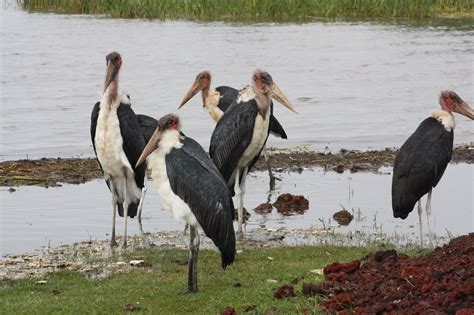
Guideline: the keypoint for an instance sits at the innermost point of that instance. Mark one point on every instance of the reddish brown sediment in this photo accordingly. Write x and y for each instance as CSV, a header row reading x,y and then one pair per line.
x,y
288,204
343,217
441,282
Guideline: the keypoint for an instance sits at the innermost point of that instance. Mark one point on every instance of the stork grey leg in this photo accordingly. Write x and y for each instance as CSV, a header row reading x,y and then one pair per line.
x,y
242,193
240,209
193,259
140,204
269,168
420,210
113,243
428,214
126,203
186,227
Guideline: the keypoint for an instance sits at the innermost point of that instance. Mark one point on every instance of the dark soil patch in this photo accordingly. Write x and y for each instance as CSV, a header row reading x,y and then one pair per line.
x,y
343,217
49,172
441,282
288,204
263,208
285,291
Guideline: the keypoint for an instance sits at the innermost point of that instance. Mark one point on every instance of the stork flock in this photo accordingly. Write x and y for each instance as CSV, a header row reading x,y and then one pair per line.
x,y
198,187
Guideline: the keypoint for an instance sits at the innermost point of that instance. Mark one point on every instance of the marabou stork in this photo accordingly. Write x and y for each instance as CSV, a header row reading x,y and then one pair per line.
x,y
422,159
242,132
217,101
191,187
118,137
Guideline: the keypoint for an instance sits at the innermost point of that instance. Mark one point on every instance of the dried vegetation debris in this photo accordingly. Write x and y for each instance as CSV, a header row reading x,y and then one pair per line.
x,y
47,172
50,172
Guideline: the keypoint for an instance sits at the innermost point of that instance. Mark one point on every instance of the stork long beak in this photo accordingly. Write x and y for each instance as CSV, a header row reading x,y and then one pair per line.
x,y
195,88
150,147
464,109
111,73
281,98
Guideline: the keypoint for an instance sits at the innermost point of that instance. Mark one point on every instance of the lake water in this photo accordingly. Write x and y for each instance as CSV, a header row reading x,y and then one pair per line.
x,y
356,85
33,217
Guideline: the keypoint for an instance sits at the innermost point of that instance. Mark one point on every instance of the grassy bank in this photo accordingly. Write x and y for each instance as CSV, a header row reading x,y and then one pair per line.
x,y
157,289
257,10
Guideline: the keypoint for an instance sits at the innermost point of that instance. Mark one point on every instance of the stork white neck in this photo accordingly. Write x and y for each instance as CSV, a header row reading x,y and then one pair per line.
x,y
210,99
110,101
169,139
445,118
263,100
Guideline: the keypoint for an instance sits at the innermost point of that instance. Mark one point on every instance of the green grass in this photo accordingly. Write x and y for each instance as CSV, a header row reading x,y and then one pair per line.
x,y
257,10
158,289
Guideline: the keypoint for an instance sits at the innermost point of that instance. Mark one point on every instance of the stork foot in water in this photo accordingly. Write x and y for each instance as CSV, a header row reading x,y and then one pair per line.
x,y
140,205
186,227
113,242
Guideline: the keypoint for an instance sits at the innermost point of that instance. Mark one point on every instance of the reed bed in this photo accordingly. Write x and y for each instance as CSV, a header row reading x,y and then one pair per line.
x,y
257,10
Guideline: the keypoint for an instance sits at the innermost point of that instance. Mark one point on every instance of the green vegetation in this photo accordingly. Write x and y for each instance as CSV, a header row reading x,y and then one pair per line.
x,y
157,289
258,10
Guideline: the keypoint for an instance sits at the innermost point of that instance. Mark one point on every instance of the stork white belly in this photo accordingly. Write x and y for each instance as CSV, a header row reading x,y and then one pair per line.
x,y
259,136
113,160
169,200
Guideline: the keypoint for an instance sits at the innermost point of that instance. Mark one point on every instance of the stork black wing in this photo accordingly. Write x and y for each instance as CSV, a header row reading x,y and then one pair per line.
x,y
276,128
94,117
148,126
195,179
419,165
133,140
232,136
227,96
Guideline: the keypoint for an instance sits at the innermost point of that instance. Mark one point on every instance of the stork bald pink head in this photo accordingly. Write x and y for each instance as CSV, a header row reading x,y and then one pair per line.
x,y
201,83
263,83
451,102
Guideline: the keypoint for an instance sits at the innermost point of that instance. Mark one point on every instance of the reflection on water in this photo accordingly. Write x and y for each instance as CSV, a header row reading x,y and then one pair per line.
x,y
356,85
32,217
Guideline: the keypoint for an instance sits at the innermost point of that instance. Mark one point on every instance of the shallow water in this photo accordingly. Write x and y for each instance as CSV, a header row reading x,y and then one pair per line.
x,y
355,85
33,217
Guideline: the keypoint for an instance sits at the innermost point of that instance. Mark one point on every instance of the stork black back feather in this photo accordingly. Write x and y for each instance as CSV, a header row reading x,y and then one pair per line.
x,y
232,135
210,201
419,165
227,96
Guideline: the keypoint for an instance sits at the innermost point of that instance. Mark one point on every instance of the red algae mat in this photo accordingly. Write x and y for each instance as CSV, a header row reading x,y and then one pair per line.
x,y
441,282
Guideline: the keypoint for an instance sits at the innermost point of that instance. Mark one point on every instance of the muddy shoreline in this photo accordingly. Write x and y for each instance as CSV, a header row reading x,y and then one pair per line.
x,y
51,172
94,258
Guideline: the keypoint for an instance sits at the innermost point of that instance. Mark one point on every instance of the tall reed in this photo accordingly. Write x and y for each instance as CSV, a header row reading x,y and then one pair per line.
x,y
257,10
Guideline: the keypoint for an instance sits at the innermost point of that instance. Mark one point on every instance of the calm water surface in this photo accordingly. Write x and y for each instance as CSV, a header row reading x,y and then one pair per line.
x,y
355,85
33,217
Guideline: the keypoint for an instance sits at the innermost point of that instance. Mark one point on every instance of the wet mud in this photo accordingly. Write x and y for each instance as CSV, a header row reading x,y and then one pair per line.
x,y
343,217
288,204
50,172
441,282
